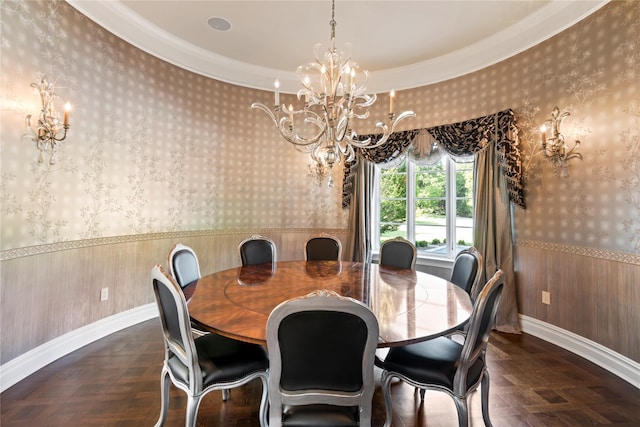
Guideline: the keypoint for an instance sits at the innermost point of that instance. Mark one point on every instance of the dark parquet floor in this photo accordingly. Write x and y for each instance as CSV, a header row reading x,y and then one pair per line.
x,y
115,382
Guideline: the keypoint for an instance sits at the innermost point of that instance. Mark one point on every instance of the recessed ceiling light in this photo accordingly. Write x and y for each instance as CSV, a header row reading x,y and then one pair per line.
x,y
218,23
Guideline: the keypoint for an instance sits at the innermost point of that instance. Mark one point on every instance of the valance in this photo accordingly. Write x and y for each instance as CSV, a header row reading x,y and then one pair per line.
x,y
472,136
458,139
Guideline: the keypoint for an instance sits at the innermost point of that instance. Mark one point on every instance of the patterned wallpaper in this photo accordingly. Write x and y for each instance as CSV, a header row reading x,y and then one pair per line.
x,y
151,148
155,148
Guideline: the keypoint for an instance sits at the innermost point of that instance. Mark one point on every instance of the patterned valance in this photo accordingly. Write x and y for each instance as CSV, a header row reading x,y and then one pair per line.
x,y
394,148
458,139
472,136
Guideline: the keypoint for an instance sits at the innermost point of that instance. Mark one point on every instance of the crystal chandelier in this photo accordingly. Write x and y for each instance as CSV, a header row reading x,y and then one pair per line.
x,y
50,130
334,94
554,147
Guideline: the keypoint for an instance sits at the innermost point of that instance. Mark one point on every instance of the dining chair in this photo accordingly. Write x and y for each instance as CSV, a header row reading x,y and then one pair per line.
x,y
257,250
398,252
467,269
323,248
446,365
321,348
198,366
185,269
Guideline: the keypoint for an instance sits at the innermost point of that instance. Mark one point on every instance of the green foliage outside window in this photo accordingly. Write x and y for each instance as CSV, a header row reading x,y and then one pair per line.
x,y
430,199
393,193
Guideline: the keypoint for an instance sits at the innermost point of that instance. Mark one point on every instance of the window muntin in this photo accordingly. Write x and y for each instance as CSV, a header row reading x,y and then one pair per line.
x,y
430,205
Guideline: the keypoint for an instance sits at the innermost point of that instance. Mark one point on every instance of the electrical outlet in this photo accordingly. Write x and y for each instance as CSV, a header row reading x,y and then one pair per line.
x,y
546,298
104,294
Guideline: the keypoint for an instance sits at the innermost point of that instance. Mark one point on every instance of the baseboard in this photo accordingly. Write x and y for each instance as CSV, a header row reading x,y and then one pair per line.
x,y
602,356
26,364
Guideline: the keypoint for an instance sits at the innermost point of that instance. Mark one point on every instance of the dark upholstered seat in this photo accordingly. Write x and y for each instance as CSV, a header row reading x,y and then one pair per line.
x,y
257,250
198,366
398,252
323,248
445,365
321,350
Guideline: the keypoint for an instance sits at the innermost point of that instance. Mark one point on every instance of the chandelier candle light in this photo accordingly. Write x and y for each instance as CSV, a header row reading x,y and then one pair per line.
x,y
333,89
554,147
49,130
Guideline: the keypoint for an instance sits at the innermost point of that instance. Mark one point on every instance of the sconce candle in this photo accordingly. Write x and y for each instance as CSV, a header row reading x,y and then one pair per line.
x,y
392,94
67,108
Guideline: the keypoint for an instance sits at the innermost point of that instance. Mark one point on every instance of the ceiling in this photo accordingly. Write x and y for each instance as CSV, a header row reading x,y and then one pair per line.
x,y
403,44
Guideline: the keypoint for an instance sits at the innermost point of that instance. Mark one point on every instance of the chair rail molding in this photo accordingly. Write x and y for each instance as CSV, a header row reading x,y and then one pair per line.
x,y
8,254
37,358
617,364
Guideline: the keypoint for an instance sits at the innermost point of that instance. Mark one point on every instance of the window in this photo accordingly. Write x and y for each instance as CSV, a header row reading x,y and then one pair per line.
x,y
431,206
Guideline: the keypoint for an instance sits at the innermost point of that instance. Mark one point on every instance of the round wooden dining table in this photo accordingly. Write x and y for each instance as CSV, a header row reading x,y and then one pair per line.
x,y
410,306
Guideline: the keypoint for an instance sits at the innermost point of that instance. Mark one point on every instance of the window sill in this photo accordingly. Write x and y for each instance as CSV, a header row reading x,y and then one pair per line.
x,y
424,260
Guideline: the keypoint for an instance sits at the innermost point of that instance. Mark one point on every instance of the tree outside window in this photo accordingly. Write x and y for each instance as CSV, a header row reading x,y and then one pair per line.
x,y
430,205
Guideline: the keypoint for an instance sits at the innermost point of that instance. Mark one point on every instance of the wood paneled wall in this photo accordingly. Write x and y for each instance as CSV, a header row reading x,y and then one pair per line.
x,y
49,294
596,298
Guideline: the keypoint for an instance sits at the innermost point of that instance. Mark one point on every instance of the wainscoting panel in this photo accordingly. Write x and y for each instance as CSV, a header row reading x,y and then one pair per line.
x,y
594,294
49,291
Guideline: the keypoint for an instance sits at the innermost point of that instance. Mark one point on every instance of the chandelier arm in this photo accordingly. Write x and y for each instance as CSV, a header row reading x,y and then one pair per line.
x,y
347,151
360,144
288,133
261,106
400,117
388,131
368,100
281,126
362,116
342,128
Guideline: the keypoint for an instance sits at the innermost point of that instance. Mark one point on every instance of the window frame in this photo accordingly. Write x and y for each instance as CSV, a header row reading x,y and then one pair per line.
x,y
451,199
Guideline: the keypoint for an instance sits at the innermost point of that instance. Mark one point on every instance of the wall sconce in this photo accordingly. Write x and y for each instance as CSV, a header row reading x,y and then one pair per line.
x,y
554,147
49,130
320,170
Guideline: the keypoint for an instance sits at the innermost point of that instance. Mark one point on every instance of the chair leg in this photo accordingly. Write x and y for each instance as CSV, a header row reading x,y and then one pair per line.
x,y
225,394
193,403
385,384
463,411
164,397
485,399
422,391
264,422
